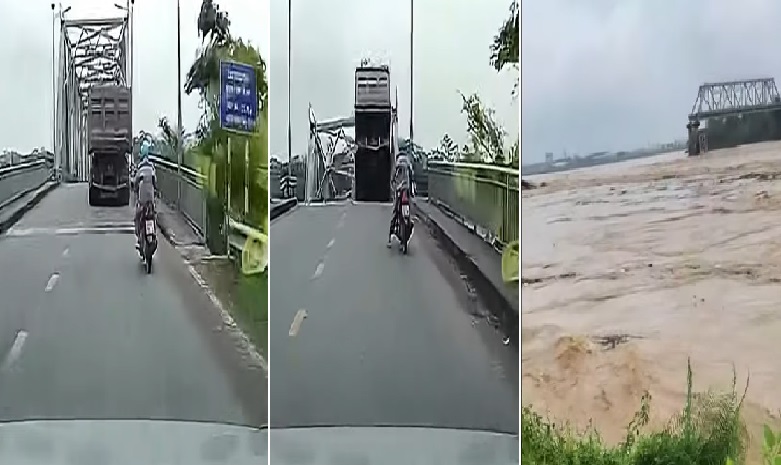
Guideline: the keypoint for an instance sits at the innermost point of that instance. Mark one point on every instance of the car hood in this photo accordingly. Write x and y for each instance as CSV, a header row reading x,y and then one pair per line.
x,y
120,442
392,446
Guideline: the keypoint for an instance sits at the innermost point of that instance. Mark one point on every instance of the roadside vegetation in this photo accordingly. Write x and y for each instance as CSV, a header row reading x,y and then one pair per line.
x,y
487,139
708,430
246,292
207,152
212,140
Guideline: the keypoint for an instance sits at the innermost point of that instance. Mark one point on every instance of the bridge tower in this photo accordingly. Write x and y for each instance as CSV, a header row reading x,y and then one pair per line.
x,y
91,51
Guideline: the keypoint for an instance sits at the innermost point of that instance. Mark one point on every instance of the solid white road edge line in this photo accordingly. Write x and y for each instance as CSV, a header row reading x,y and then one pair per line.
x,y
228,321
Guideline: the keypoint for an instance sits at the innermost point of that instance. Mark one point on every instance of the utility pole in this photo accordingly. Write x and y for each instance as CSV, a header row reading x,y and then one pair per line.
x,y
289,131
131,8
411,73
54,87
179,132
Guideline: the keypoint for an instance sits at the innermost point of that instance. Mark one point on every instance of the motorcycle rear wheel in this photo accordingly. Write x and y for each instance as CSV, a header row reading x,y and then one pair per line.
x,y
403,239
148,261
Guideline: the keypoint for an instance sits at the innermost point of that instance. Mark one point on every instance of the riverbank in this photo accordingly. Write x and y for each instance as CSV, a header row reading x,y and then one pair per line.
x,y
629,270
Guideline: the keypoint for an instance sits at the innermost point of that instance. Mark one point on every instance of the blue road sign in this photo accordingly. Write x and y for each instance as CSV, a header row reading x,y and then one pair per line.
x,y
238,96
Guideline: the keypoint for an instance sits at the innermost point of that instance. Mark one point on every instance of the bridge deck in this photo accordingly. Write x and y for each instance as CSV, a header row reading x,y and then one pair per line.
x,y
88,334
387,338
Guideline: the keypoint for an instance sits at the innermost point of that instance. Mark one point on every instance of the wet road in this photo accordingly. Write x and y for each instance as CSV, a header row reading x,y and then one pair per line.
x,y
361,335
85,333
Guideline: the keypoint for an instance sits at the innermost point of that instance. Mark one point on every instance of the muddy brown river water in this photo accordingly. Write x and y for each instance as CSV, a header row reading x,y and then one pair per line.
x,y
681,256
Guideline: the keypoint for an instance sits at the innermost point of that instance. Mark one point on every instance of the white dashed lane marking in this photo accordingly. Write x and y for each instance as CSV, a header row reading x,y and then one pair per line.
x,y
52,282
318,270
296,325
15,352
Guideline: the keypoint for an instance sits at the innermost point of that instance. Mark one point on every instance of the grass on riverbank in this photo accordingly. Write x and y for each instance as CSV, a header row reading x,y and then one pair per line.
x,y
709,431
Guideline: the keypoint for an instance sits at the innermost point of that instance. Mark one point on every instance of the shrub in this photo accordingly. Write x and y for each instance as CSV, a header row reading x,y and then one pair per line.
x,y
709,431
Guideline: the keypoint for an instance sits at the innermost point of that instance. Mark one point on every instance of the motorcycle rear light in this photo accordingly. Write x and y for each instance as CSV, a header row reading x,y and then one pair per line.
x,y
404,197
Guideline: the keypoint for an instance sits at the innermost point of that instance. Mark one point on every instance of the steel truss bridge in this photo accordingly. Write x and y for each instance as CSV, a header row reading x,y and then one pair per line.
x,y
720,99
733,97
91,52
330,158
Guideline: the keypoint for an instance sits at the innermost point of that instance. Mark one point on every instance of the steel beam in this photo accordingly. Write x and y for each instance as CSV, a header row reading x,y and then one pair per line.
x,y
92,51
330,158
733,97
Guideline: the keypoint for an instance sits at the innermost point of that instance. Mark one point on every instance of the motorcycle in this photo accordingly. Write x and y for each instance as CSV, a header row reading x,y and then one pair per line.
x,y
149,235
404,223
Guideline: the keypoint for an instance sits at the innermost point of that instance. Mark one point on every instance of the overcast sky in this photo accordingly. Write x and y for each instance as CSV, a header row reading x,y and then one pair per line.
x,y
26,52
330,38
619,74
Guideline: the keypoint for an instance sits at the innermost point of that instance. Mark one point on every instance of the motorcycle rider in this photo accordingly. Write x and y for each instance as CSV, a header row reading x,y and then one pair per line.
x,y
403,178
145,186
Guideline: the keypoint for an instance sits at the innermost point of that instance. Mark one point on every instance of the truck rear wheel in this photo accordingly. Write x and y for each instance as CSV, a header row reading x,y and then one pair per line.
x,y
93,196
124,197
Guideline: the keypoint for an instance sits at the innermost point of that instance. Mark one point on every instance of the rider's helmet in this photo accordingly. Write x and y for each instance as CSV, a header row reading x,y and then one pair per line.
x,y
402,160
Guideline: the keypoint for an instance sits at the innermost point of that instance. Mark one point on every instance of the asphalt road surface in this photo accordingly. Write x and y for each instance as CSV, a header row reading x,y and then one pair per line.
x,y
361,335
85,333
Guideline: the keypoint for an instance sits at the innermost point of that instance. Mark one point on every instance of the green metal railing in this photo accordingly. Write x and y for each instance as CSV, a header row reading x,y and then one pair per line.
x,y
484,195
245,243
248,202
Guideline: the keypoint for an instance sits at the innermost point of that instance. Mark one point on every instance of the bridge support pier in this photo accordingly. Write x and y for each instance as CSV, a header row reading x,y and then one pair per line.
x,y
703,140
693,129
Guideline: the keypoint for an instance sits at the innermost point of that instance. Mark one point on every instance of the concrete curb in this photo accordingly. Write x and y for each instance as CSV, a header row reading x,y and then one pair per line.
x,y
171,238
20,211
15,198
497,303
168,232
282,207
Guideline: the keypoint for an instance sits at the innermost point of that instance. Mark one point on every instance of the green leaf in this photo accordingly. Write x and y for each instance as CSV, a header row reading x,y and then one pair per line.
x,y
504,49
777,460
770,440
730,461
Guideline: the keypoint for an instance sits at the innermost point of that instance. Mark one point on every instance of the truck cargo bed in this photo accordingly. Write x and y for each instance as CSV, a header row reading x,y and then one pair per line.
x,y
110,139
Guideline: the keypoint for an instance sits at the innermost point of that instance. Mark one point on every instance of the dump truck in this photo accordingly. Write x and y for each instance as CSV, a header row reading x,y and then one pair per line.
x,y
109,144
374,157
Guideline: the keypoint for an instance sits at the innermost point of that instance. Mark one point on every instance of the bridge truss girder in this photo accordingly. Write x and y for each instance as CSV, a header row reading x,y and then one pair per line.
x,y
330,157
91,52
326,168
733,97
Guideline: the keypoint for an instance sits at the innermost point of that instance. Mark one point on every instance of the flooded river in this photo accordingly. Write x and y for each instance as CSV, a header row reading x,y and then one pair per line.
x,y
682,257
